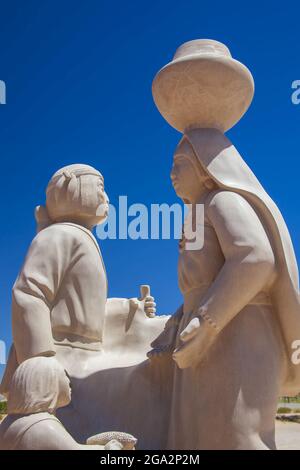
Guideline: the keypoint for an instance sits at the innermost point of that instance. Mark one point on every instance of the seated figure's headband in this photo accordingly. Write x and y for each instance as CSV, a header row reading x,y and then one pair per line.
x,y
76,170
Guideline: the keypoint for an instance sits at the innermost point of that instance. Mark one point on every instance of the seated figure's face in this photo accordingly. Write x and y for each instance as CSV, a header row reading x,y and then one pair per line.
x,y
77,198
92,206
102,207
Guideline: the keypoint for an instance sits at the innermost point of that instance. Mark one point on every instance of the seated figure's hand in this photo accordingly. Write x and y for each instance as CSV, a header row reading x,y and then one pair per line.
x,y
149,306
145,302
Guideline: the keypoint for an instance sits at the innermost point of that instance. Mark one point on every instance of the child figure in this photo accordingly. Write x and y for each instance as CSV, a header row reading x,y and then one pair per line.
x,y
39,386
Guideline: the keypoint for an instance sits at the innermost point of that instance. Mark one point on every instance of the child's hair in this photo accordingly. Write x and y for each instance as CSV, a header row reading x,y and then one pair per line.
x,y
36,387
68,188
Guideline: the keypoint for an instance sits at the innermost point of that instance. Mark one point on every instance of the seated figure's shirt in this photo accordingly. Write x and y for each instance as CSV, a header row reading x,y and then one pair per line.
x,y
61,292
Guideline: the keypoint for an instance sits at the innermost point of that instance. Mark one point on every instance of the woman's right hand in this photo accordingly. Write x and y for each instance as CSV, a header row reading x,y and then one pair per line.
x,y
165,343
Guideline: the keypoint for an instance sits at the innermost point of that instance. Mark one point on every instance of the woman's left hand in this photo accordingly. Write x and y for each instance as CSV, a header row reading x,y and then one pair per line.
x,y
197,338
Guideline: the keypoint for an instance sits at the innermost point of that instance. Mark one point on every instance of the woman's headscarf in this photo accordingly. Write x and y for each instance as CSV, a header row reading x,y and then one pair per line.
x,y
226,167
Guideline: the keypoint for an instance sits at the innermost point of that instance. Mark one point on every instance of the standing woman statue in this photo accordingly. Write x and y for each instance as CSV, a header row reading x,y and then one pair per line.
x,y
233,339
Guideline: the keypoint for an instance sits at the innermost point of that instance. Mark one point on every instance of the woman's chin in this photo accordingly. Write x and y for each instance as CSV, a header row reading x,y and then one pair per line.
x,y
180,194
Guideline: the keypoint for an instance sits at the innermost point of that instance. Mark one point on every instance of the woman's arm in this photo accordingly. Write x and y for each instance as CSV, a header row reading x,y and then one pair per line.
x,y
248,268
249,259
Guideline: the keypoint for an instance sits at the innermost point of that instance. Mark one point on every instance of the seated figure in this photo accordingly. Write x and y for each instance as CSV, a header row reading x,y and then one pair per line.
x,y
39,386
61,308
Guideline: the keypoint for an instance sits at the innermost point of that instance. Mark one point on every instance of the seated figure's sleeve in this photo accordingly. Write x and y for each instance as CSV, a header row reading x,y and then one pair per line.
x,y
249,260
35,291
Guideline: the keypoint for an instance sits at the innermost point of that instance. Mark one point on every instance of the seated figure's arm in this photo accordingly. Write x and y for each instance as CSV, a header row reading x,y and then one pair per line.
x,y
123,306
34,293
115,304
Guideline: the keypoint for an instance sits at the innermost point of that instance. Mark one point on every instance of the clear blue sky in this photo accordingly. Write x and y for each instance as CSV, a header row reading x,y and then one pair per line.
x,y
78,78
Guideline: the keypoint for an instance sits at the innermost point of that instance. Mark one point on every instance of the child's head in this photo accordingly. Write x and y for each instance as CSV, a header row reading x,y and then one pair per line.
x,y
39,384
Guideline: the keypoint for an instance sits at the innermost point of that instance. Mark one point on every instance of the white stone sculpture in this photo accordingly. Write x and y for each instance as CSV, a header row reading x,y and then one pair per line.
x,y
39,387
241,314
218,365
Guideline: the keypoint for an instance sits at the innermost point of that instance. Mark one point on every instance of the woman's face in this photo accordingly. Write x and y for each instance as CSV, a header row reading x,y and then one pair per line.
x,y
187,176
